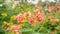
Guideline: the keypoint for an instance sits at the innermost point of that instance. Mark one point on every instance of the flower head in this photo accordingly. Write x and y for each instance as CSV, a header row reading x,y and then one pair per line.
x,y
58,6
4,14
20,18
39,17
31,20
15,27
26,14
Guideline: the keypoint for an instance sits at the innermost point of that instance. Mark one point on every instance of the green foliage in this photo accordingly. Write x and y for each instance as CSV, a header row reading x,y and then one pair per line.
x,y
44,27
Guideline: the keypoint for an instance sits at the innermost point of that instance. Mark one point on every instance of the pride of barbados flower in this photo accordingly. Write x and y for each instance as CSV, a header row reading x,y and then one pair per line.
x,y
29,17
39,17
27,14
15,27
20,18
31,21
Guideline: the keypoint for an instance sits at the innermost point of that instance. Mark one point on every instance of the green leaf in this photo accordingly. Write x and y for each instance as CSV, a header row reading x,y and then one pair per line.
x,y
44,30
36,33
25,30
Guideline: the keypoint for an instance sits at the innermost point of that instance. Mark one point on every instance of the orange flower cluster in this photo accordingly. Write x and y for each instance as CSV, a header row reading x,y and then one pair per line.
x,y
51,8
31,18
13,27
